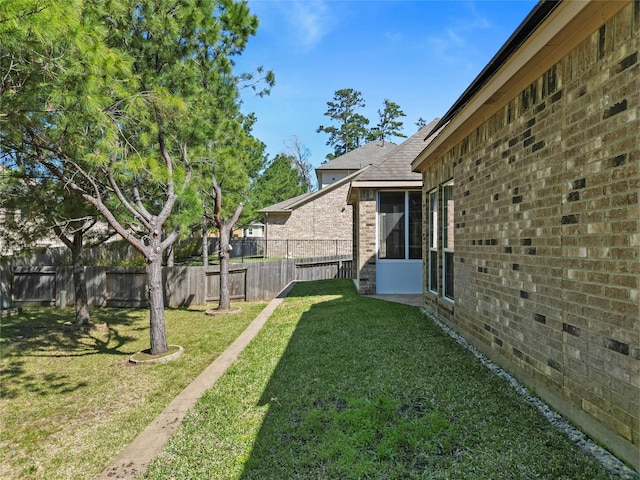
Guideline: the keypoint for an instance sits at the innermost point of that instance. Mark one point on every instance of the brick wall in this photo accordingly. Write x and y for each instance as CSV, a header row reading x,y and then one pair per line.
x,y
365,247
324,217
547,234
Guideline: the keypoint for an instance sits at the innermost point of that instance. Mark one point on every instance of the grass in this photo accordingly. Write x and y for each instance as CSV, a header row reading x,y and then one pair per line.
x,y
70,402
338,386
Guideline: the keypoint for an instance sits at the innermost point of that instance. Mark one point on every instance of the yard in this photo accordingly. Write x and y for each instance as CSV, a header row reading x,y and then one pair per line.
x,y
69,403
342,386
335,386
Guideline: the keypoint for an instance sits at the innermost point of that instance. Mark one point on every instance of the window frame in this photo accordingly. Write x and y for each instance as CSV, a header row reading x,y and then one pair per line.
x,y
448,242
406,226
432,239
414,229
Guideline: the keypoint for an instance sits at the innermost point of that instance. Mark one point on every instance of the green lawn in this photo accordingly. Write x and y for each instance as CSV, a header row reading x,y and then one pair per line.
x,y
338,386
70,402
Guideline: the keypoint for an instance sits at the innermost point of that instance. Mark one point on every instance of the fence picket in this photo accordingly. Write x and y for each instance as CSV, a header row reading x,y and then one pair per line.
x,y
184,286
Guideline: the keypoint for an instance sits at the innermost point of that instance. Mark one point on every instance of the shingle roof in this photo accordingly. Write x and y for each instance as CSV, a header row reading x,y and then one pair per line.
x,y
396,166
287,206
369,154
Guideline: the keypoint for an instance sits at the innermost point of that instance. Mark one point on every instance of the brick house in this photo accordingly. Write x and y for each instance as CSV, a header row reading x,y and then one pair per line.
x,y
387,221
323,214
532,225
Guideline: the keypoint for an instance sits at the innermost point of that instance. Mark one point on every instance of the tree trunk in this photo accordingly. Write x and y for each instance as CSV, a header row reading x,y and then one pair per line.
x,y
171,256
225,228
205,245
79,281
158,335
225,250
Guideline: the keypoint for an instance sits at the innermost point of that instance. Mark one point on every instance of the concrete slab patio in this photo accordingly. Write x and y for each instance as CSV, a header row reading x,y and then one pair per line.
x,y
414,300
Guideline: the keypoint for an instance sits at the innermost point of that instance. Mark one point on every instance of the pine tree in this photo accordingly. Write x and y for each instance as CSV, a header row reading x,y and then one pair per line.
x,y
388,125
131,104
351,131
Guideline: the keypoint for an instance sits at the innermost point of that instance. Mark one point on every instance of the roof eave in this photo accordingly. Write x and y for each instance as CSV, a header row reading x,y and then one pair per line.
x,y
525,58
381,185
318,193
387,184
271,212
532,21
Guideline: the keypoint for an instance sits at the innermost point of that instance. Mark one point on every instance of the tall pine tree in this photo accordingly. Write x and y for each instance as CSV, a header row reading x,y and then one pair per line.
x,y
130,101
388,125
351,130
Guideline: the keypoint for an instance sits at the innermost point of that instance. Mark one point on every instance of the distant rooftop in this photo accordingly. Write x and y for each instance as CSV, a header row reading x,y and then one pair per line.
x,y
368,154
396,165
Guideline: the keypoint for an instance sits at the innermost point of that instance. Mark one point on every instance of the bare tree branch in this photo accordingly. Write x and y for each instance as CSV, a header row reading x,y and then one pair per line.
x,y
138,199
142,217
97,202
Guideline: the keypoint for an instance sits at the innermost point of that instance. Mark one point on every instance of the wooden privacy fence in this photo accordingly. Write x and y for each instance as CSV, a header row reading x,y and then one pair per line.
x,y
183,286
244,250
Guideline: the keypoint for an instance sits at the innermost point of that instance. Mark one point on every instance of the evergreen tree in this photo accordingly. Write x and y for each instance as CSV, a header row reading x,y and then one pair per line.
x,y
225,227
389,125
47,210
131,101
280,181
351,130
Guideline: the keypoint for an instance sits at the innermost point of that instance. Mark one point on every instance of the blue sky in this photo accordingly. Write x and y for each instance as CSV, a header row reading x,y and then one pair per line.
x,y
420,54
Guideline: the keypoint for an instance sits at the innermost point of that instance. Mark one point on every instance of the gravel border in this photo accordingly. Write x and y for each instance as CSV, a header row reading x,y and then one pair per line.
x,y
601,455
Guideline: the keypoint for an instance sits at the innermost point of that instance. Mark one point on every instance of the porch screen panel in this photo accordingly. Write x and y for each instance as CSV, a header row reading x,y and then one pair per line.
x,y
391,234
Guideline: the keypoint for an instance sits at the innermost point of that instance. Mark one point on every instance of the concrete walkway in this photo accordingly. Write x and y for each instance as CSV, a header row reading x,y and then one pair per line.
x,y
134,459
415,300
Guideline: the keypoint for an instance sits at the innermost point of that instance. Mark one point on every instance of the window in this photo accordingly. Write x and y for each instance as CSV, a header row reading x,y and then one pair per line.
x,y
433,241
448,231
441,240
400,225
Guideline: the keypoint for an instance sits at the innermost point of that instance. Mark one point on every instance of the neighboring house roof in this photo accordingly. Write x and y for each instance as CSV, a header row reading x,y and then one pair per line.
x,y
396,165
287,206
368,154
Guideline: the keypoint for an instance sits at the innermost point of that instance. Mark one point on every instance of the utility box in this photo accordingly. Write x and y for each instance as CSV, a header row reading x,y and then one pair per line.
x,y
5,301
62,299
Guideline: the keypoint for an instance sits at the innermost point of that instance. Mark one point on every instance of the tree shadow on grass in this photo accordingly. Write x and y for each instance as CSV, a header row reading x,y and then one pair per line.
x,y
43,384
341,404
47,333
370,389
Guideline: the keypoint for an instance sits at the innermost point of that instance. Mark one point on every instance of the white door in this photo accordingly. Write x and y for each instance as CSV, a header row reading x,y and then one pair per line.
x,y
399,237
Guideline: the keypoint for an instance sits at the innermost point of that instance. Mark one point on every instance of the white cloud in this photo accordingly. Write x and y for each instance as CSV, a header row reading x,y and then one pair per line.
x,y
452,43
309,21
394,37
